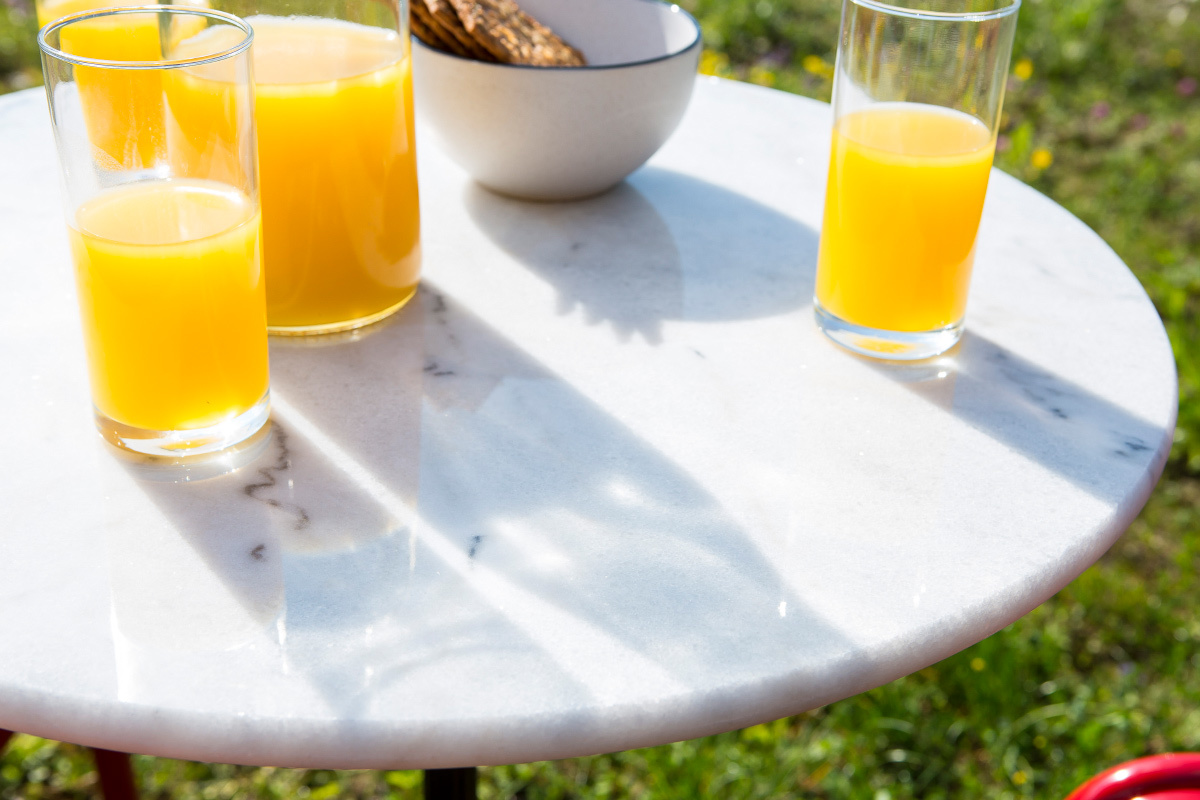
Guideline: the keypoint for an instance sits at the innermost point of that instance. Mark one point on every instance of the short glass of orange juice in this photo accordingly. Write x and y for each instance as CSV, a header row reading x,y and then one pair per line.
x,y
918,89
166,248
337,160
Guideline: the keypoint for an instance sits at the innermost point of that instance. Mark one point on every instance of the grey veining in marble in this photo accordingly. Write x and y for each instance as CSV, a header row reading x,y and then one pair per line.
x,y
602,485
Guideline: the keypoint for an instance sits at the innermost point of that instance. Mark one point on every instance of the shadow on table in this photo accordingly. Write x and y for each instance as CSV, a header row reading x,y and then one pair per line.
x,y
218,561
1091,442
431,492
660,246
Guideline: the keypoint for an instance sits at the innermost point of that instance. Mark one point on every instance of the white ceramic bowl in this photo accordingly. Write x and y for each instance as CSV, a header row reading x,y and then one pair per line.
x,y
557,133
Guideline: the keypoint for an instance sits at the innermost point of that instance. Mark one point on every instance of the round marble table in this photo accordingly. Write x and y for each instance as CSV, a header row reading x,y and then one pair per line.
x,y
602,485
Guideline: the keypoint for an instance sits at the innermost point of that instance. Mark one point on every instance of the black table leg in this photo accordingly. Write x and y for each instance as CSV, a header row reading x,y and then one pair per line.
x,y
450,784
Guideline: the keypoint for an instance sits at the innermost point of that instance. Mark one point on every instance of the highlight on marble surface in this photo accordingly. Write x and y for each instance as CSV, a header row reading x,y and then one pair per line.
x,y
603,484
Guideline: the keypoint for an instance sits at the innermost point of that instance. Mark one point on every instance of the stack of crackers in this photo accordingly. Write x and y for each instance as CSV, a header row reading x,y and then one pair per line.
x,y
490,30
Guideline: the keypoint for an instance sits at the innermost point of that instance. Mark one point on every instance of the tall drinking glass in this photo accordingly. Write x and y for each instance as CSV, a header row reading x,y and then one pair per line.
x,y
163,221
337,160
917,94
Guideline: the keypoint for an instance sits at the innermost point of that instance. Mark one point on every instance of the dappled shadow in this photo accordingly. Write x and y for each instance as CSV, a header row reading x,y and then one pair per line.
x,y
661,246
438,509
1091,442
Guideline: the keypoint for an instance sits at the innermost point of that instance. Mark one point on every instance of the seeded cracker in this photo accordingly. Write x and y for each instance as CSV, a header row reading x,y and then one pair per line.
x,y
427,33
512,36
439,16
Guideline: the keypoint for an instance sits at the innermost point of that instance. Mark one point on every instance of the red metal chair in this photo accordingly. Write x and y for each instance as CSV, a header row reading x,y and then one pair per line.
x,y
1171,776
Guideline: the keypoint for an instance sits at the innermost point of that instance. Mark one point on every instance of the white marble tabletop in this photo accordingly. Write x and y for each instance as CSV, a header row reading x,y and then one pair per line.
x,y
603,485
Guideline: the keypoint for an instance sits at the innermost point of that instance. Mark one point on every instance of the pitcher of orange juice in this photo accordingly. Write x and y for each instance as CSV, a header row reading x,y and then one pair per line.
x,y
337,157
917,94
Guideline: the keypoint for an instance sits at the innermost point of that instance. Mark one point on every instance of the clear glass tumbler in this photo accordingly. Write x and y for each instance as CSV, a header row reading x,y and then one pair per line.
x,y
917,94
153,115
337,160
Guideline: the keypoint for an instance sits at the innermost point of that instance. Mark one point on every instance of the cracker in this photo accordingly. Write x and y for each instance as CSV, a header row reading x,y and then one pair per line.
x,y
512,36
427,33
424,23
439,16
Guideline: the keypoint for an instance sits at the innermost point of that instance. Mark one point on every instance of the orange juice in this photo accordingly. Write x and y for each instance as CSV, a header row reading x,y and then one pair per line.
x,y
904,199
122,108
337,165
205,130
52,10
47,12
173,303
337,160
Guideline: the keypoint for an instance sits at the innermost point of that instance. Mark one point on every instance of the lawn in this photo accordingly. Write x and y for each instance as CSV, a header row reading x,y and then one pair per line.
x,y
1103,115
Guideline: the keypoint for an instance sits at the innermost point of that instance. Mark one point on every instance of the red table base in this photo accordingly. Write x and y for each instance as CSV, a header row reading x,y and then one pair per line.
x,y
117,781
114,769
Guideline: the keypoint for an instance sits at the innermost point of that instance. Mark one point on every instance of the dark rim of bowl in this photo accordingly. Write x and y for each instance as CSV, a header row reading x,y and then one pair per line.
x,y
586,67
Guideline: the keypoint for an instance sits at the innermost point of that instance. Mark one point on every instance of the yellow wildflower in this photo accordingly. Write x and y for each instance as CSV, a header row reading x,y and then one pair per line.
x,y
1041,158
1024,69
1019,777
815,65
714,63
978,664
762,76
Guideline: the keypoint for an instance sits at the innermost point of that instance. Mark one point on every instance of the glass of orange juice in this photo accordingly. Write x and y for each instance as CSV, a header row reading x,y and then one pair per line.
x,y
167,259
120,101
337,160
917,94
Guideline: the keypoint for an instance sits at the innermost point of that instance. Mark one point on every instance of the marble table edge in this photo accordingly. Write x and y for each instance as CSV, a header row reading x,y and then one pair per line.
x,y
372,744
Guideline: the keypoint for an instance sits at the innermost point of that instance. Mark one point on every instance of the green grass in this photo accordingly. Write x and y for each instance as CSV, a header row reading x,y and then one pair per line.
x,y
19,68
1103,115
